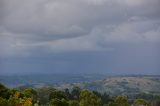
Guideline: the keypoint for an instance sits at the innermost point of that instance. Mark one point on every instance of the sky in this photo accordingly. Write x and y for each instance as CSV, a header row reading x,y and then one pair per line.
x,y
80,36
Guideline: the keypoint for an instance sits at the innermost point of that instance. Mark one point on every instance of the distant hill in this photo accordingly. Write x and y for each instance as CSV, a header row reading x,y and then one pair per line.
x,y
114,85
126,85
121,85
39,80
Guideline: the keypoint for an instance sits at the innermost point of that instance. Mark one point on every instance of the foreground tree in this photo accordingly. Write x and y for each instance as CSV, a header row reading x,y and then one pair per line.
x,y
111,104
73,103
105,98
87,98
57,95
16,100
48,96
43,94
156,102
4,92
121,101
3,102
58,102
75,93
140,102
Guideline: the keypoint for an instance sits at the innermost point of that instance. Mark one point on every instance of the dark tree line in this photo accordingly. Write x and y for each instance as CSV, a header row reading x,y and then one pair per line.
x,y
48,96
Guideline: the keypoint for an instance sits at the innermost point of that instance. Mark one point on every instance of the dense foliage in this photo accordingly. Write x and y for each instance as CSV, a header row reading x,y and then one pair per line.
x,y
48,96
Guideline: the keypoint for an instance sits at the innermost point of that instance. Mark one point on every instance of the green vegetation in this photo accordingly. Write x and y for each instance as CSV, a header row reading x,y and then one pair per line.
x,y
48,96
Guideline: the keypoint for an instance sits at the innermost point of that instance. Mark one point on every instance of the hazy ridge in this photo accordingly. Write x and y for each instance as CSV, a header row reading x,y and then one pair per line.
x,y
115,85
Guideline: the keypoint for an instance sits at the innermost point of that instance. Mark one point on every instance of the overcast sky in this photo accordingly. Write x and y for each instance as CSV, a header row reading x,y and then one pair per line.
x,y
80,36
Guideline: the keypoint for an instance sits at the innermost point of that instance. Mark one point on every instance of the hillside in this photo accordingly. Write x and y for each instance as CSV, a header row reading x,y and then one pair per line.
x,y
114,85
120,85
126,85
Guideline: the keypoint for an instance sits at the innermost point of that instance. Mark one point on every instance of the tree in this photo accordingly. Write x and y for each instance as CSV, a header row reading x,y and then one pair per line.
x,y
111,104
3,102
140,102
2,87
73,103
16,100
156,102
105,98
76,93
43,94
58,102
68,94
87,98
57,95
30,93
4,92
121,101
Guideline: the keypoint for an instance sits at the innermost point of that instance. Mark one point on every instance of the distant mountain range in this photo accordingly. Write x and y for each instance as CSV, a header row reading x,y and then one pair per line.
x,y
114,85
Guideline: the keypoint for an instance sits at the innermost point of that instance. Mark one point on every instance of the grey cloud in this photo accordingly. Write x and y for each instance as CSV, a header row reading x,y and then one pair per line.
x,y
60,25
59,17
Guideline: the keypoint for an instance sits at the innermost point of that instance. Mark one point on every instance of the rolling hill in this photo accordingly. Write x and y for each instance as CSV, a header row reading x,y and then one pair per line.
x,y
126,85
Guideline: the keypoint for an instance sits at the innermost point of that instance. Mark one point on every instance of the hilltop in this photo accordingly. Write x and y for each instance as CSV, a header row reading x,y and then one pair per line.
x,y
126,84
114,85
